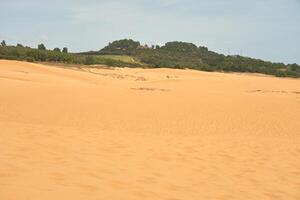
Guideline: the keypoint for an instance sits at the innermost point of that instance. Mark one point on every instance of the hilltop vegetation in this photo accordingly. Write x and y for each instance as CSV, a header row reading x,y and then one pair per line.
x,y
187,55
41,54
130,53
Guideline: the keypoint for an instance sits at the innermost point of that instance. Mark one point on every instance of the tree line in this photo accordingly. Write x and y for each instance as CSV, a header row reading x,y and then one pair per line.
x,y
42,54
187,55
173,55
39,47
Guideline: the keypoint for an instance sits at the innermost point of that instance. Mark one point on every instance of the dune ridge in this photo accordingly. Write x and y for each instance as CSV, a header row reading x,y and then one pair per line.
x,y
122,133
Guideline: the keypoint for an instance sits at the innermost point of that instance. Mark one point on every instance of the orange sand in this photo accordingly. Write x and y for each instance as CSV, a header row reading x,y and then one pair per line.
x,y
132,134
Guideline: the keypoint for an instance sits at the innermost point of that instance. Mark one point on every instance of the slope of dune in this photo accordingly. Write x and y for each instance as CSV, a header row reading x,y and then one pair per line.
x,y
96,133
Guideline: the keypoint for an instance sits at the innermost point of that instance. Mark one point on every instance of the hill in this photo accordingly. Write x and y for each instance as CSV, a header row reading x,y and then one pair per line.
x,y
130,53
187,55
43,55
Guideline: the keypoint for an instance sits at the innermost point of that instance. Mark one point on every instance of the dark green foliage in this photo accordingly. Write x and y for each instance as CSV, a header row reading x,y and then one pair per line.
x,y
31,55
19,45
188,55
173,55
3,43
89,60
29,59
121,47
41,47
294,67
65,50
56,49
180,47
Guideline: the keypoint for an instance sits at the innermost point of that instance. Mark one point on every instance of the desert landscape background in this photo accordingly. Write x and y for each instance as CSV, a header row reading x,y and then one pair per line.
x,y
129,133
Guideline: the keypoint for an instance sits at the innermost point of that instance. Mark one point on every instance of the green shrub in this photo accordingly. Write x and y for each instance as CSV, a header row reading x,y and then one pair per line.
x,y
124,53
89,60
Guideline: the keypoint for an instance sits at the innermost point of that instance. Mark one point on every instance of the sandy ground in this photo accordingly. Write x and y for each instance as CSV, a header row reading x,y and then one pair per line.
x,y
131,134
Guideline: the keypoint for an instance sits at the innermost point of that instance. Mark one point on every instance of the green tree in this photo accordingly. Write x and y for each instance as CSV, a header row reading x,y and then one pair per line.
x,y
121,47
3,43
19,45
41,47
65,50
294,67
56,49
89,60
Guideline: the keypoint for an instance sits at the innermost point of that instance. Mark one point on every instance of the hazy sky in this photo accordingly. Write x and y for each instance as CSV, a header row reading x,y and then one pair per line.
x,y
267,29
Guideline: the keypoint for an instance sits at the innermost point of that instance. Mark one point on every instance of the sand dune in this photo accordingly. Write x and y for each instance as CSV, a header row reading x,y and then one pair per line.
x,y
88,133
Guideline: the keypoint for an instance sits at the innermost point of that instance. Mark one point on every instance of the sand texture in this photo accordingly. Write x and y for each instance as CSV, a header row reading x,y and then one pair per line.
x,y
132,134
